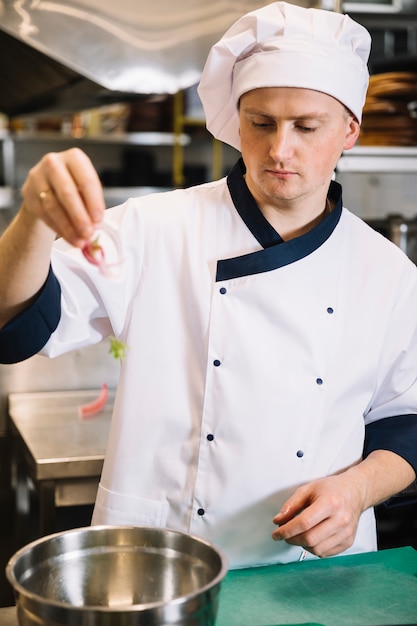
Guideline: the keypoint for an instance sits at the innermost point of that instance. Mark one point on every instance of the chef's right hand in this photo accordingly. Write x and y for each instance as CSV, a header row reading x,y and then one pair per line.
x,y
65,192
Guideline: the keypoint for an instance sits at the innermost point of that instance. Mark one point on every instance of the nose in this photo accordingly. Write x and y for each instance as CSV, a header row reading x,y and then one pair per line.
x,y
281,147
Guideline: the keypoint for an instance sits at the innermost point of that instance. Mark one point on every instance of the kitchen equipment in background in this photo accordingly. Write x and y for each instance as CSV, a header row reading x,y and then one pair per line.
x,y
399,230
380,186
379,181
60,476
380,6
113,575
72,55
390,111
77,54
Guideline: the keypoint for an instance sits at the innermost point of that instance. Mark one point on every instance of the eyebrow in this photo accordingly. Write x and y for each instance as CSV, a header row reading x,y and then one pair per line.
x,y
313,115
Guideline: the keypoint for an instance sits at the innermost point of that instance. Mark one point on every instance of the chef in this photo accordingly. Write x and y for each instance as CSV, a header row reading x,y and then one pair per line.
x,y
269,391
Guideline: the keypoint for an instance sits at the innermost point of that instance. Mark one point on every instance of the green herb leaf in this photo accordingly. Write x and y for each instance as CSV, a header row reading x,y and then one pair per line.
x,y
118,348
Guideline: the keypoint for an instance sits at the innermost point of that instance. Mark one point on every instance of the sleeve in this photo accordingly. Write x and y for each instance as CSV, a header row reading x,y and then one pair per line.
x,y
397,434
27,333
391,422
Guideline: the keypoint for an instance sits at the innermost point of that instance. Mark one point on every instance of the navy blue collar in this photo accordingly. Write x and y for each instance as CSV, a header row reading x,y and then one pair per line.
x,y
276,252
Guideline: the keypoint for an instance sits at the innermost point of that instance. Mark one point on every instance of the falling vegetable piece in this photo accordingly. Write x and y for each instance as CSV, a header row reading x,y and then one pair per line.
x,y
94,251
118,348
97,405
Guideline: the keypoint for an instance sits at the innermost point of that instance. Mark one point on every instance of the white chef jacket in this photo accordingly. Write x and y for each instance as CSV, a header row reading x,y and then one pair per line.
x,y
250,370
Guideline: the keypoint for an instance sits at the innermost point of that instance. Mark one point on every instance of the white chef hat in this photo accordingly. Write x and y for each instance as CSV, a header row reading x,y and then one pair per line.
x,y
284,45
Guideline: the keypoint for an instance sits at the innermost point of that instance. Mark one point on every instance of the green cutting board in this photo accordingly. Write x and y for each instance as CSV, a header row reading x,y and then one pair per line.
x,y
373,589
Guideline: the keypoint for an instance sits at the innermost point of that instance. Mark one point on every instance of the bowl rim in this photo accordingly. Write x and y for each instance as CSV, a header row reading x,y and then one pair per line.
x,y
31,596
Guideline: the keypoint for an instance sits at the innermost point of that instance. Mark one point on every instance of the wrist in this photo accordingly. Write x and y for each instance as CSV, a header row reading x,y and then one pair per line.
x,y
380,476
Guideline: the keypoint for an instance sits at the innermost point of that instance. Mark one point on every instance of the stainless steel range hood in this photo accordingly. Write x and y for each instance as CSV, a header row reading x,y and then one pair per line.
x,y
73,54
66,55
34,82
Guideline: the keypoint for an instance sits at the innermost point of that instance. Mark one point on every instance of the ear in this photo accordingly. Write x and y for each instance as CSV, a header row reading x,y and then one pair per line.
x,y
352,133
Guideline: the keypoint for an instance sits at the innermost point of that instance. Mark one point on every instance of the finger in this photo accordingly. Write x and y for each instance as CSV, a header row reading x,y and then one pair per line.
x,y
309,518
331,544
307,536
76,187
293,506
54,215
88,184
327,538
65,191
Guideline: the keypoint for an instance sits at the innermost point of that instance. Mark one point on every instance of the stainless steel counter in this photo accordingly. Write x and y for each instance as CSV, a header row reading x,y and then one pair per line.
x,y
61,454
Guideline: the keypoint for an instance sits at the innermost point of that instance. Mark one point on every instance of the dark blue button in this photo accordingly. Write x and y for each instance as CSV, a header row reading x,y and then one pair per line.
x,y
319,381
223,290
216,362
210,437
330,310
300,453
201,511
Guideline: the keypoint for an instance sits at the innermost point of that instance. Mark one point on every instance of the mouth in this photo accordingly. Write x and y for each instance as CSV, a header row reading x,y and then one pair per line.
x,y
284,174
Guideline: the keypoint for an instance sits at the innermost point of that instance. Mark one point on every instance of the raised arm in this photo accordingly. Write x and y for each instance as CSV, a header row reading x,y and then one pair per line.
x,y
62,196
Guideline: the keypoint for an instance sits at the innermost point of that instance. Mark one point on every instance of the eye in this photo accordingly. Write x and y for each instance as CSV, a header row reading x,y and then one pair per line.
x,y
262,124
306,129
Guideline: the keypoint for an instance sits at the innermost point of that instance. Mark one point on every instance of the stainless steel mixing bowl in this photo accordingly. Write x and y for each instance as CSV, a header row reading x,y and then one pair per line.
x,y
117,576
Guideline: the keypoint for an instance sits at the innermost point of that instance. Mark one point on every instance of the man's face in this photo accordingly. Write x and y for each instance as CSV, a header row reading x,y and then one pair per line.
x,y
291,140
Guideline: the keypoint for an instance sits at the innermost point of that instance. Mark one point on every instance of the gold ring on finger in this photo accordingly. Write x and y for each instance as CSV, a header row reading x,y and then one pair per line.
x,y
44,193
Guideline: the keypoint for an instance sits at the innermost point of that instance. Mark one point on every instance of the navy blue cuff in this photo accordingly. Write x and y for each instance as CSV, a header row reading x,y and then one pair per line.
x,y
397,434
27,333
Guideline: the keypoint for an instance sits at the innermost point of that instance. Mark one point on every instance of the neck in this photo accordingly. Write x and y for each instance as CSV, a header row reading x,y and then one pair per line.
x,y
292,223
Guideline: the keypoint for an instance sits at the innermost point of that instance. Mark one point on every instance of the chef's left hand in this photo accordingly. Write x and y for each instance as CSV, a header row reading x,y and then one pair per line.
x,y
321,516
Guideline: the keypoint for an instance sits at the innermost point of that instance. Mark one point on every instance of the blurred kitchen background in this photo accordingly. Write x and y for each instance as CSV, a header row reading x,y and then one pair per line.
x,y
119,80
